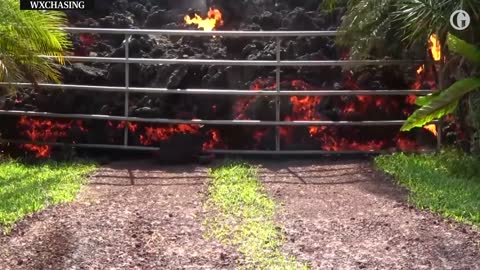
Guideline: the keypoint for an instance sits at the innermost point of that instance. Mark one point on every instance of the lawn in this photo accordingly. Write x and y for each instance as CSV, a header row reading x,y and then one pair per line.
x,y
447,182
29,188
243,215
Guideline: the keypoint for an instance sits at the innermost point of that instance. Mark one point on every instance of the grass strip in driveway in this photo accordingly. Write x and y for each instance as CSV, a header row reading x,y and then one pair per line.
x,y
25,189
447,182
241,214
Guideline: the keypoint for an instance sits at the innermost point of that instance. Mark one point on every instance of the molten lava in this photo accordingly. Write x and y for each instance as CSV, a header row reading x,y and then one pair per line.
x,y
213,20
156,134
46,131
435,47
213,142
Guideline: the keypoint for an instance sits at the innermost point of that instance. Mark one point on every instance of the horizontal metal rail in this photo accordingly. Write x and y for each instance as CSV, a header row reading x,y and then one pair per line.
x,y
203,122
84,145
216,151
306,152
197,33
153,90
244,63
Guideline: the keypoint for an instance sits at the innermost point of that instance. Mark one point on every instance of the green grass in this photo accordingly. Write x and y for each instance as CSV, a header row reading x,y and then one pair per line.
x,y
447,182
25,189
242,215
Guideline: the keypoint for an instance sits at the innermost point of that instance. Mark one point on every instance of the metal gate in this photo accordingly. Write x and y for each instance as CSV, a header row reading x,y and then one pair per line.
x,y
278,64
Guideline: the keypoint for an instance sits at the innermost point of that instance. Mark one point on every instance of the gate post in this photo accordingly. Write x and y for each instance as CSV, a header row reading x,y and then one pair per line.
x,y
277,96
127,86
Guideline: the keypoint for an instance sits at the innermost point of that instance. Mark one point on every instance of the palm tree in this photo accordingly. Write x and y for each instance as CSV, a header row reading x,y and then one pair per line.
x,y
26,37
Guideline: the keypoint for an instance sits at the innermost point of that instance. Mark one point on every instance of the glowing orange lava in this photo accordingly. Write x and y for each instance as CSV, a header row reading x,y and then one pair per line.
x,y
214,141
156,134
44,130
213,20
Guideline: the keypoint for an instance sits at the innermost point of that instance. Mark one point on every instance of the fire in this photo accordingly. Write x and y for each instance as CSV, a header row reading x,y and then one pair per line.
x,y
435,47
213,20
420,69
432,128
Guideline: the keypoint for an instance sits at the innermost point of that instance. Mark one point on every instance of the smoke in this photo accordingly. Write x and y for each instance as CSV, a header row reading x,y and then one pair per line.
x,y
200,5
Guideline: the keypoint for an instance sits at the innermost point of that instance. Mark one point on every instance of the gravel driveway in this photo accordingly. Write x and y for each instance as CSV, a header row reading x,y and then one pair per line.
x,y
336,214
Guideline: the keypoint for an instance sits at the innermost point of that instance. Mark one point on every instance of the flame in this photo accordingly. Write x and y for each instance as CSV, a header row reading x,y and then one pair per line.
x,y
432,128
213,20
420,69
435,47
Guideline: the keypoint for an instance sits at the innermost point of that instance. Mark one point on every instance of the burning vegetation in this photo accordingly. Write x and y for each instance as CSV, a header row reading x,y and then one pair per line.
x,y
211,22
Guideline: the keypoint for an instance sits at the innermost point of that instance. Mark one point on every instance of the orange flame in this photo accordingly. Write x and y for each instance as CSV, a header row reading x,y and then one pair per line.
x,y
213,20
435,47
420,69
432,128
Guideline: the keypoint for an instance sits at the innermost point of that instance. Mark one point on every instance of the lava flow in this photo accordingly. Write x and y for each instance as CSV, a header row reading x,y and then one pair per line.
x,y
213,20
151,135
46,131
154,134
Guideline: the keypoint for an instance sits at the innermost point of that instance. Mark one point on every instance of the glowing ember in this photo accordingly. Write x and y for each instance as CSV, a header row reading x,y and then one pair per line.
x,y
435,47
432,128
213,20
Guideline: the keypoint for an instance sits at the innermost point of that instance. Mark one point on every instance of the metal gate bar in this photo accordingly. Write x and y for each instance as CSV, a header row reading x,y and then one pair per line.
x,y
205,122
191,91
277,63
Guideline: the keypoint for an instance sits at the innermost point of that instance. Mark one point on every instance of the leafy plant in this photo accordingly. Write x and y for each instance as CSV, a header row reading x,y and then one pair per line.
x,y
26,37
439,104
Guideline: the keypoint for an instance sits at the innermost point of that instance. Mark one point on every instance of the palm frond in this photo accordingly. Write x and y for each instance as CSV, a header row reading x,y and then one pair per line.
x,y
26,35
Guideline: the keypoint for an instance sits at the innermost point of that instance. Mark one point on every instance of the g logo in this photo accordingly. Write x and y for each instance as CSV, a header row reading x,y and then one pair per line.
x,y
460,20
